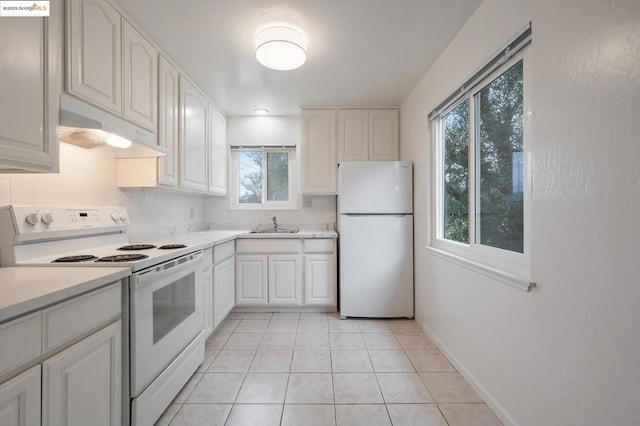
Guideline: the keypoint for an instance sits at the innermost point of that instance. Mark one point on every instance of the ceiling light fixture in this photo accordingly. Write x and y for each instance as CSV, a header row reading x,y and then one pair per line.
x,y
261,111
281,47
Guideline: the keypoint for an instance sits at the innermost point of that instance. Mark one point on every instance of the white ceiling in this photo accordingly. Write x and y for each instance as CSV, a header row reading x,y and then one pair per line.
x,y
360,53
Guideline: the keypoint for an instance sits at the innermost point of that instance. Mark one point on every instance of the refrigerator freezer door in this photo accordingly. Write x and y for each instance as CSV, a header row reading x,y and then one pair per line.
x,y
375,187
376,266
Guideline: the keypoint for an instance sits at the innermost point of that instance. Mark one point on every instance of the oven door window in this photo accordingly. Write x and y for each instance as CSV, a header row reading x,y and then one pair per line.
x,y
172,304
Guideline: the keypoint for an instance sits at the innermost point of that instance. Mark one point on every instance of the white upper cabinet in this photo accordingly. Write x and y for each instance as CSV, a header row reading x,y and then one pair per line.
x,y
353,135
217,152
384,131
110,64
365,135
168,108
140,77
30,66
94,53
319,159
193,138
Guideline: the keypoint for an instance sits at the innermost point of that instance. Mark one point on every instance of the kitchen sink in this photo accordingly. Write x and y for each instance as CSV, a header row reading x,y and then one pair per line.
x,y
273,231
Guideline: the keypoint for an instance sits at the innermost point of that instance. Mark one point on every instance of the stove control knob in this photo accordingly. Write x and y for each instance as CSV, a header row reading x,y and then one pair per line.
x,y
32,219
47,218
116,216
123,217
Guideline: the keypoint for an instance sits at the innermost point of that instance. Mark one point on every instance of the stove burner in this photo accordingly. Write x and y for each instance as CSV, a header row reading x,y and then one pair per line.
x,y
72,259
122,258
137,247
172,246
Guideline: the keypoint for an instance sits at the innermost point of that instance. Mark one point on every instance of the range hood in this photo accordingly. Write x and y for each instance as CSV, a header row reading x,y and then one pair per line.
x,y
87,126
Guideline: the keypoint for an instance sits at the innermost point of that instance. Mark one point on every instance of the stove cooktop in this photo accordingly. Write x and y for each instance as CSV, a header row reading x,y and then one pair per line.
x,y
132,247
123,258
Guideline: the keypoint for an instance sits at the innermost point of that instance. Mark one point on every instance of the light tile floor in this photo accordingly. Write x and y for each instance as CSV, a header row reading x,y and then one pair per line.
x,y
314,369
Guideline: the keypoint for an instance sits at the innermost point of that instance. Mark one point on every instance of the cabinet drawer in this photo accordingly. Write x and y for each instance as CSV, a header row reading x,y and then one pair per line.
x,y
223,251
268,246
320,245
68,320
20,341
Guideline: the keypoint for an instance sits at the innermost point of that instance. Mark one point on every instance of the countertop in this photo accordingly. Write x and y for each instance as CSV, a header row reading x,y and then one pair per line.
x,y
205,239
24,289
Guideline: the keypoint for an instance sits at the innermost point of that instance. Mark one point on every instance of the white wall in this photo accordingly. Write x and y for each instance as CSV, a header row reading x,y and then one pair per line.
x,y
568,353
313,212
88,178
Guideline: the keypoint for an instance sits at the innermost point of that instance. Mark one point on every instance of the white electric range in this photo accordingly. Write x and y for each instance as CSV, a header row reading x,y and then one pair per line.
x,y
163,306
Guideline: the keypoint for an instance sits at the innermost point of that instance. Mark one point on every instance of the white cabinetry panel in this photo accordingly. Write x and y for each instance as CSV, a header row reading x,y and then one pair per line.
x,y
20,399
353,135
30,66
319,156
193,137
168,107
285,279
140,75
384,135
251,284
320,279
94,52
217,152
82,385
223,290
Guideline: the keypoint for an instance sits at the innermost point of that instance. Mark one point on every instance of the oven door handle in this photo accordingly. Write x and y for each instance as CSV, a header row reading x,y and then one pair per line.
x,y
172,267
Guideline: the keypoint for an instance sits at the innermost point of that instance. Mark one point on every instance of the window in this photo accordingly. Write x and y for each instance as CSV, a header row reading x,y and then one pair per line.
x,y
481,173
494,126
262,178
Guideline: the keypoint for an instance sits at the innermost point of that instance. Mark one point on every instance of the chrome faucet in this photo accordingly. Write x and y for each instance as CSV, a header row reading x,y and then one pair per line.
x,y
275,222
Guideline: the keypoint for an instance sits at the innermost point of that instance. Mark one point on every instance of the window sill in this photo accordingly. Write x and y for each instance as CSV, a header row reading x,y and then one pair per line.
x,y
497,274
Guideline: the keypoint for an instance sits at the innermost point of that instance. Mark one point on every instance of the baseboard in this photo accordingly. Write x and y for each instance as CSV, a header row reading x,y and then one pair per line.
x,y
470,378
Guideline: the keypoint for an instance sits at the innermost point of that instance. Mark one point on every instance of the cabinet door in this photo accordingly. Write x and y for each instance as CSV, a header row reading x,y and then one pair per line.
x,y
319,160
251,283
30,66
140,75
207,294
320,279
168,104
82,384
20,399
193,138
94,53
384,135
223,290
218,151
353,135
285,280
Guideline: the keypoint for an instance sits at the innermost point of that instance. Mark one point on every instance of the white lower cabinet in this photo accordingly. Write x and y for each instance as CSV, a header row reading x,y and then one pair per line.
x,y
286,272
223,290
320,279
273,279
20,399
80,380
285,279
82,384
207,294
251,280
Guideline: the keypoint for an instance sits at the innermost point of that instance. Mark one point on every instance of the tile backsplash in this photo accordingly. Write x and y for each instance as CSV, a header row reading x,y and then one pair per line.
x,y
88,178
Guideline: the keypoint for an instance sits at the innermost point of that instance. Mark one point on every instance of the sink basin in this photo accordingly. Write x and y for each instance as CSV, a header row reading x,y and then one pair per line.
x,y
273,231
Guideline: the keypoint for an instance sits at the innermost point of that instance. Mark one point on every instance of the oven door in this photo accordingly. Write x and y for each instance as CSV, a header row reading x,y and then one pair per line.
x,y
166,315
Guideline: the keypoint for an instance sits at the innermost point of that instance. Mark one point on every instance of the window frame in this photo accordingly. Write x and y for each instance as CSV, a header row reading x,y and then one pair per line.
x,y
291,204
508,266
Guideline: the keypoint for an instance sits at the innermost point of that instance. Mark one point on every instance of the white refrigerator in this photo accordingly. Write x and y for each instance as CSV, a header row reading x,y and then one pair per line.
x,y
375,225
